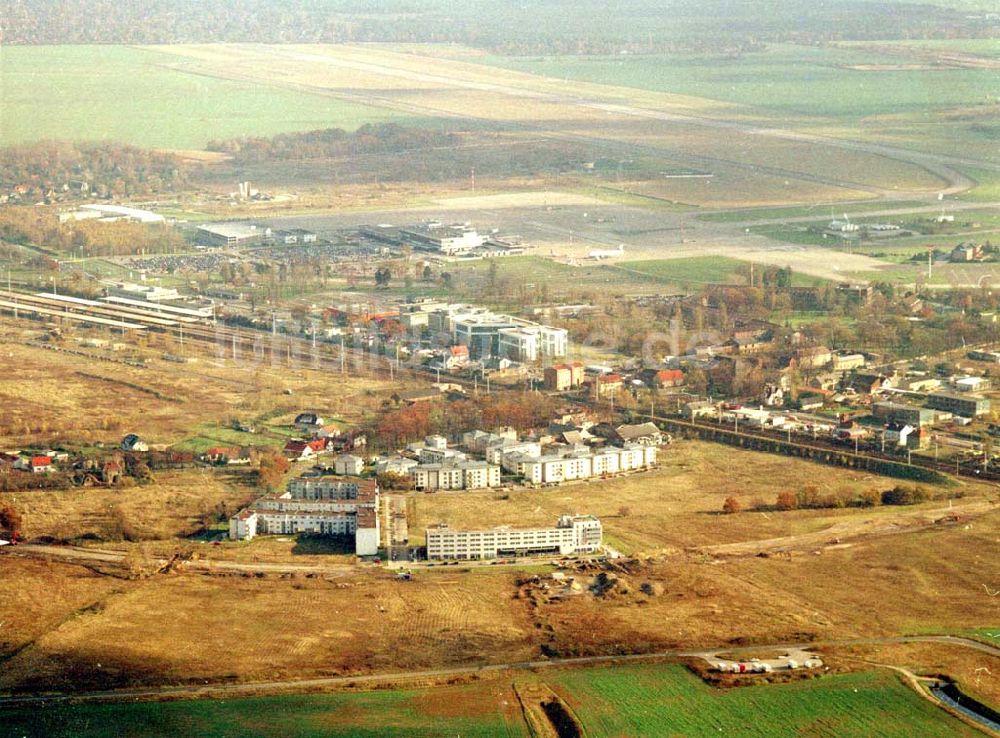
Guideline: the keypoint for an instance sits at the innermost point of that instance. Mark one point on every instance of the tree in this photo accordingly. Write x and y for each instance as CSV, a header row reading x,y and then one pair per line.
x,y
731,506
624,511
870,498
787,500
10,520
271,470
394,480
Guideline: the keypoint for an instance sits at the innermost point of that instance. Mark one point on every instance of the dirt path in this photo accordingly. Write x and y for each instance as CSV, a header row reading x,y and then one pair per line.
x,y
79,555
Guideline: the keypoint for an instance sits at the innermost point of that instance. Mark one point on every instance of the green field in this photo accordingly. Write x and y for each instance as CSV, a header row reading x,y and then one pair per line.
x,y
702,270
403,714
646,700
621,277
667,701
987,185
123,94
783,80
982,46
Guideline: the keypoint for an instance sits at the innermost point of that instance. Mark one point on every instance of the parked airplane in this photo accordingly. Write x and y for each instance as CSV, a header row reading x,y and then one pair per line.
x,y
607,253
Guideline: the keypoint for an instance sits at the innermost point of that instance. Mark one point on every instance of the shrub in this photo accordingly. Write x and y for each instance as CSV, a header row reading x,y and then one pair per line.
x,y
731,506
787,501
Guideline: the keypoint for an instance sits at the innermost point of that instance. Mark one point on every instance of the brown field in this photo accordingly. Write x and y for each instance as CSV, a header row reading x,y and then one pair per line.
x,y
176,504
39,596
187,627
52,398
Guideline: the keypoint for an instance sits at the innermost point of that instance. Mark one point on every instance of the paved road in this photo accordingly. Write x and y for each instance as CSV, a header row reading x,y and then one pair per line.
x,y
302,685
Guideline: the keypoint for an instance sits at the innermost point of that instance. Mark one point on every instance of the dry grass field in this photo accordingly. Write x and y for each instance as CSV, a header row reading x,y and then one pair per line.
x,y
712,580
51,398
176,504
39,596
904,584
186,627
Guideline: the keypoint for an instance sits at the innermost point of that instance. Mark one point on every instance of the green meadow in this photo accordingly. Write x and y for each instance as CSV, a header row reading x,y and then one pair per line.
x,y
783,80
665,700
118,93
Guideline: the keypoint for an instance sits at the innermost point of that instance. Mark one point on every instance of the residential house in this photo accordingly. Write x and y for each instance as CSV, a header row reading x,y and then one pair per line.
x,y
866,383
813,357
965,252
642,434
608,385
35,464
750,345
456,357
562,377
133,443
349,465
665,378
308,422
303,450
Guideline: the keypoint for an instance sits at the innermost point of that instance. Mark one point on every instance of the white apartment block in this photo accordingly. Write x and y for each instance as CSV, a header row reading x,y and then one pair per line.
x,y
573,534
579,463
430,455
479,441
463,475
496,454
322,506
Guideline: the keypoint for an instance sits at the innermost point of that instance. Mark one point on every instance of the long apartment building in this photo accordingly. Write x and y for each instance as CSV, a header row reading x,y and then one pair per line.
x,y
580,463
572,534
332,506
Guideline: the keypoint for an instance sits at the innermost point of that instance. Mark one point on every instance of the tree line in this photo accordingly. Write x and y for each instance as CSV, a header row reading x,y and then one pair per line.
x,y
332,142
641,26
49,170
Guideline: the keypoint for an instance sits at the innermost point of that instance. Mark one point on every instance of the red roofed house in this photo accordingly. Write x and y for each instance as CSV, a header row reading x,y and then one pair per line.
x,y
35,464
299,451
457,357
668,378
